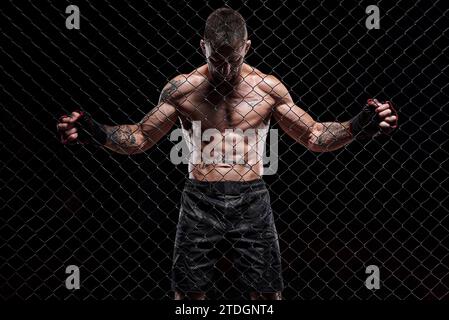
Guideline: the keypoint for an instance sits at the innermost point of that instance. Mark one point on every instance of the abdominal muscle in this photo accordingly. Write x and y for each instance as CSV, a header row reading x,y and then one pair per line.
x,y
227,156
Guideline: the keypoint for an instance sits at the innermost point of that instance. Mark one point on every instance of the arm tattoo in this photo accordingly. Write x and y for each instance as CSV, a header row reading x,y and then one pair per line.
x,y
171,87
121,136
334,135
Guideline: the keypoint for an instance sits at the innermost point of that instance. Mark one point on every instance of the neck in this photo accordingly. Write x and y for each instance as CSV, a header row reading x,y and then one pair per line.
x,y
226,87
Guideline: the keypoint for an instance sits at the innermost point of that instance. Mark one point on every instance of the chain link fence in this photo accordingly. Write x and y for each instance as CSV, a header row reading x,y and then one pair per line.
x,y
379,203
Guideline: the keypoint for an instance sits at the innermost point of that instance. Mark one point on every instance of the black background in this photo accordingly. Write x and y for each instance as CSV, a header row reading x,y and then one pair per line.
x,y
378,203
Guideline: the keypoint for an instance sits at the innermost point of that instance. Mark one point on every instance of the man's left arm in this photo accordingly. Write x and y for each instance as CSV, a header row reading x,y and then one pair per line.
x,y
374,118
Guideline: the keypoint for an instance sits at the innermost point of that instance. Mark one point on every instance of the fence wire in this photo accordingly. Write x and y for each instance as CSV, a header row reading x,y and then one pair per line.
x,y
380,202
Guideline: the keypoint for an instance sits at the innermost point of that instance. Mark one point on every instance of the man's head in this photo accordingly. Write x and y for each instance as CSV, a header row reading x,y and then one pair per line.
x,y
225,44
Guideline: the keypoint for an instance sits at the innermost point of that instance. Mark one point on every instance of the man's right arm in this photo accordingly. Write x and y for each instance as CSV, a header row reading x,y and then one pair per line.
x,y
137,138
129,138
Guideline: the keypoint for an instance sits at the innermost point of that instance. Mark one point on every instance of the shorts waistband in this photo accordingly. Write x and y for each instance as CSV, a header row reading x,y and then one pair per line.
x,y
225,187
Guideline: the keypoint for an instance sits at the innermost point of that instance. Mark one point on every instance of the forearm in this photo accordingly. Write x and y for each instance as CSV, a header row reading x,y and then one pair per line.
x,y
329,136
132,138
124,139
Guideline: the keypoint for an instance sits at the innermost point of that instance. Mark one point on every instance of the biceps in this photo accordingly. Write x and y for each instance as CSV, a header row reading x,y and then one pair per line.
x,y
297,123
158,123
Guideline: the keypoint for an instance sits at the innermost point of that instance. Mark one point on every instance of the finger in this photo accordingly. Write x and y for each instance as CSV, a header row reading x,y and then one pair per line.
x,y
385,113
374,102
64,119
390,119
70,131
72,137
384,125
383,107
75,116
64,126
393,110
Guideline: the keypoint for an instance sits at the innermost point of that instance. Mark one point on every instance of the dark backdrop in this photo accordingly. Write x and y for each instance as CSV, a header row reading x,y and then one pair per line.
x,y
114,216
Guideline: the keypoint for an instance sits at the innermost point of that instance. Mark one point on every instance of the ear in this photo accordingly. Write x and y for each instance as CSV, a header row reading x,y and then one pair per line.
x,y
247,46
203,46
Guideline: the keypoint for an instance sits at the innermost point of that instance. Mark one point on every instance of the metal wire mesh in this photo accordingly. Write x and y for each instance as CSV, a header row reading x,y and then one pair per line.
x,y
375,203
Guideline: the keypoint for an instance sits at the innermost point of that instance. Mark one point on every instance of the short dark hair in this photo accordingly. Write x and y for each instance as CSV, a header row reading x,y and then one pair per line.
x,y
225,26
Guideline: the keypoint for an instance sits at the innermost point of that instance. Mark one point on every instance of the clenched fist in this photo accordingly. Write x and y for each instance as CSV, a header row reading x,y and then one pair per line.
x,y
386,113
80,127
376,117
67,127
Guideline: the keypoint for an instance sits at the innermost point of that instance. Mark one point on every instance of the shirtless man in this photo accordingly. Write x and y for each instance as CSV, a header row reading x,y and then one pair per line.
x,y
223,199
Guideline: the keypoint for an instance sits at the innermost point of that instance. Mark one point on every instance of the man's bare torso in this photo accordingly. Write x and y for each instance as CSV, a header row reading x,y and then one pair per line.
x,y
230,123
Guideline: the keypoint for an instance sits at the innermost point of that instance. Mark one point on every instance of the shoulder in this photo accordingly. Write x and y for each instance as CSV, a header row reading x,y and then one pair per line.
x,y
268,83
181,85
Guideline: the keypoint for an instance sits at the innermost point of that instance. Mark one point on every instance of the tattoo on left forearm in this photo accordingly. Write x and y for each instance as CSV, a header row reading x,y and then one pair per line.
x,y
334,135
122,136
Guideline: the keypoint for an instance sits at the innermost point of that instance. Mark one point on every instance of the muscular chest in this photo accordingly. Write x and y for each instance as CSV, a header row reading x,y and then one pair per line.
x,y
243,111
